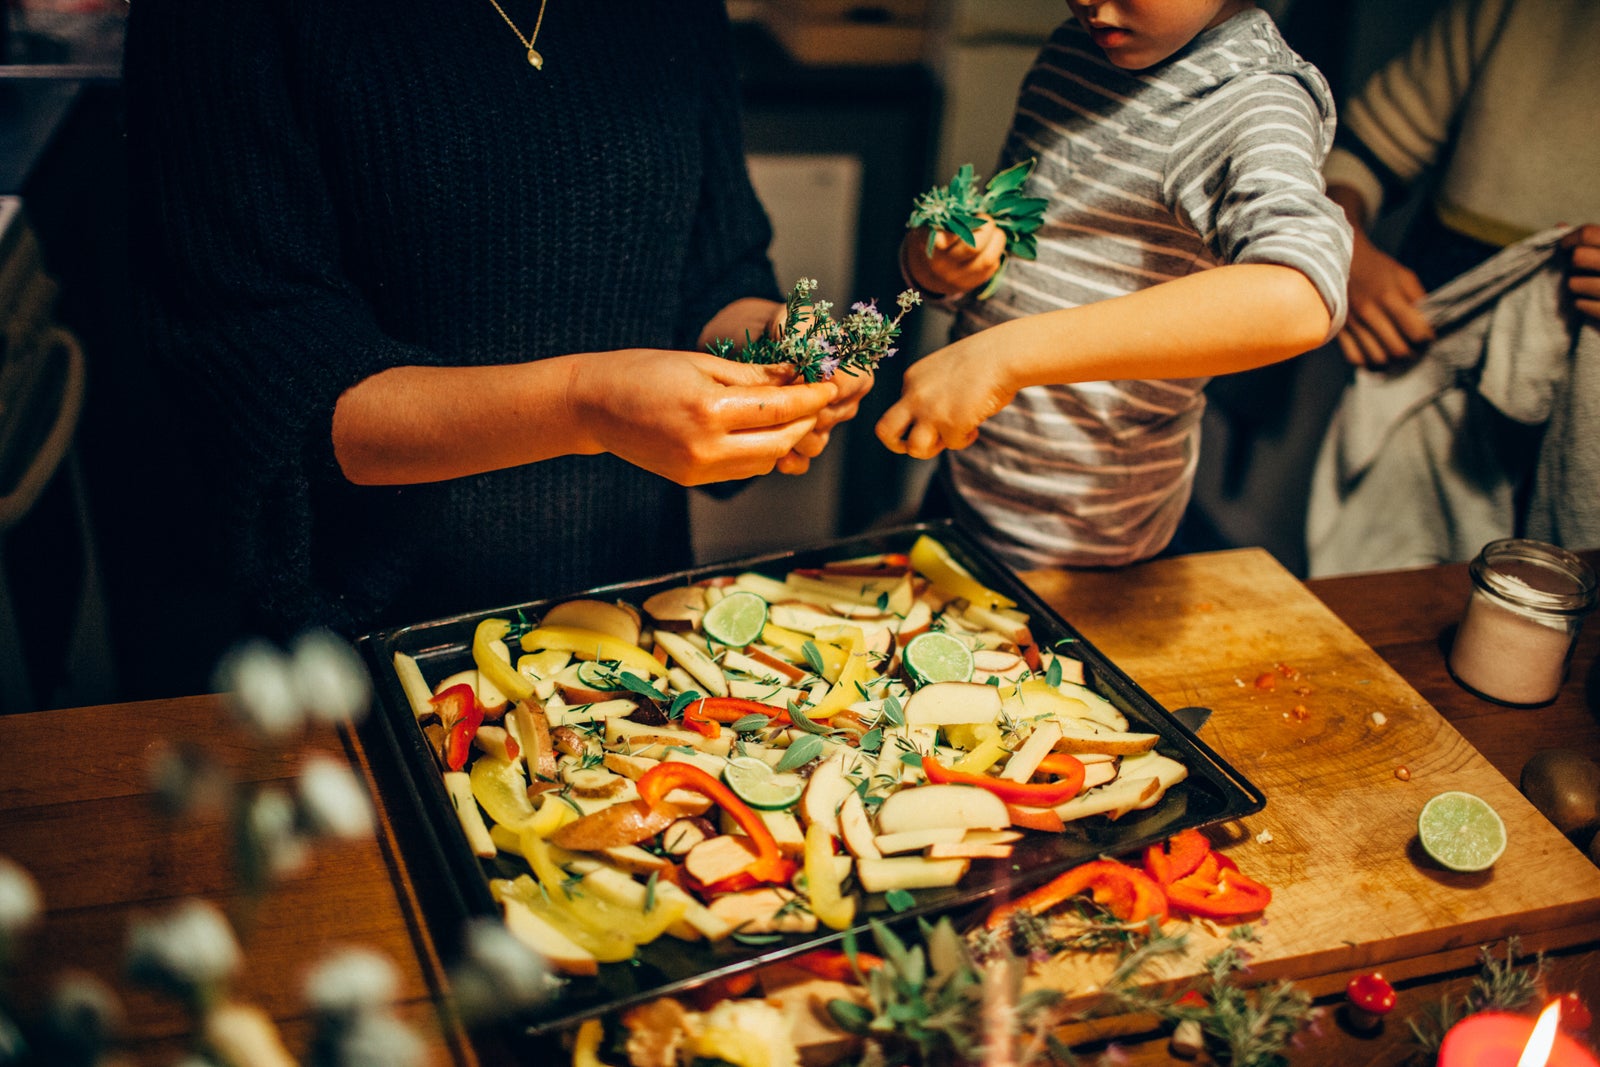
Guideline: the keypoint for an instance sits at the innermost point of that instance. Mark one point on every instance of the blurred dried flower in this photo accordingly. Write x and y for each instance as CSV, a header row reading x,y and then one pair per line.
x,y
189,952
261,688
370,1039
332,684
333,800
19,901
187,781
270,843
351,981
80,1021
498,975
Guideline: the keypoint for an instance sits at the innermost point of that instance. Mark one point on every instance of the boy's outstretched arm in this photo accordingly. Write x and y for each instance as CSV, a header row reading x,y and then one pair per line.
x,y
1218,321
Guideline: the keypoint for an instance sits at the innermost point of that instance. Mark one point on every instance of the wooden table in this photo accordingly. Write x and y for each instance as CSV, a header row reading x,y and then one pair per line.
x,y
75,807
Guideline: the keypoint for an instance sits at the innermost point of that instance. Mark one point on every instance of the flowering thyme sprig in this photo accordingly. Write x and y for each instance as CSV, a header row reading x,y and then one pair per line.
x,y
818,344
960,208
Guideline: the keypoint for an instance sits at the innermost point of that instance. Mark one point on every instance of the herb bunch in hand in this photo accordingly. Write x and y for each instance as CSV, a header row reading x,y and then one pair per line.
x,y
819,345
962,208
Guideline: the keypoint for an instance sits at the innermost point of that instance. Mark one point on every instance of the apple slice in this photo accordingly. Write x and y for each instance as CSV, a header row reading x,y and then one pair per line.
x,y
1122,795
909,872
602,617
953,704
946,804
855,826
1076,738
677,609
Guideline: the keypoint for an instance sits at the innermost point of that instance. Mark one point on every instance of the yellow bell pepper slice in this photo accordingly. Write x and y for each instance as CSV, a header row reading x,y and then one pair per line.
x,y
933,561
854,672
588,644
598,916
831,907
986,753
586,1046
502,674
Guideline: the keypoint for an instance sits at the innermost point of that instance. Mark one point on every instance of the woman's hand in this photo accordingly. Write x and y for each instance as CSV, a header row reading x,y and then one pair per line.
x,y
1383,324
691,417
852,387
954,266
1583,273
947,395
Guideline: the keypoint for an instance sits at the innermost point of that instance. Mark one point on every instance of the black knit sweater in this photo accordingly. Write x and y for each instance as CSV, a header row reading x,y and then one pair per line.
x,y
327,188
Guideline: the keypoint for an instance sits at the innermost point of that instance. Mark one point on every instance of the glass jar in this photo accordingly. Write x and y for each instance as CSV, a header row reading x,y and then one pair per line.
x,y
1516,636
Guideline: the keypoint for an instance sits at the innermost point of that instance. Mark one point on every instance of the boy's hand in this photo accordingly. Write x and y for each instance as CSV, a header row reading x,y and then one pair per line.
x,y
1384,323
947,395
1583,273
955,266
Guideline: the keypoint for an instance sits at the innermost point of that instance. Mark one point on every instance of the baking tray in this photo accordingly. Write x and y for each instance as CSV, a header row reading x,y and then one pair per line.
x,y
1213,791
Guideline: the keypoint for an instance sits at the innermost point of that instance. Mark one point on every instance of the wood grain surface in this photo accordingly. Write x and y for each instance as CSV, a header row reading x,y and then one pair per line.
x,y
1337,840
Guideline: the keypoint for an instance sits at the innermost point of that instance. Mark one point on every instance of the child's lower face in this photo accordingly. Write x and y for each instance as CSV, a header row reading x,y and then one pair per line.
x,y
1135,34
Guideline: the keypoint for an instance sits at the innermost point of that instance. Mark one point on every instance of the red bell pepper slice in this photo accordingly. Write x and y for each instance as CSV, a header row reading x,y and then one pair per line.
x,y
1218,890
732,709
1027,794
834,964
1177,857
769,865
459,711
1126,892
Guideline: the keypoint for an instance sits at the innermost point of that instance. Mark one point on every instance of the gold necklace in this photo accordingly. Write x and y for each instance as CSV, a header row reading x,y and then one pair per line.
x,y
534,58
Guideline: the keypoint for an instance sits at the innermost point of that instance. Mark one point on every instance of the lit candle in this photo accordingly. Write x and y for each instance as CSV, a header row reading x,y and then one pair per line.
x,y
1499,1039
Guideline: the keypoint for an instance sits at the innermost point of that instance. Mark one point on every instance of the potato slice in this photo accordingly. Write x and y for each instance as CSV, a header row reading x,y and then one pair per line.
x,y
555,947
909,872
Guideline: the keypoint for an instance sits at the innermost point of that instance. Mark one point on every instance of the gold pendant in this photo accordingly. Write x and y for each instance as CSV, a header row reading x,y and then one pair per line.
x,y
535,59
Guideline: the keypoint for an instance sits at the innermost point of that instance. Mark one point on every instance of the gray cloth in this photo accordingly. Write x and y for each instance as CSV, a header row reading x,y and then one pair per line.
x,y
1427,463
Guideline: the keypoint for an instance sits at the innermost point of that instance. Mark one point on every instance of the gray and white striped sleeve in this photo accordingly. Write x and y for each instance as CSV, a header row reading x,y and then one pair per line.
x,y
1246,173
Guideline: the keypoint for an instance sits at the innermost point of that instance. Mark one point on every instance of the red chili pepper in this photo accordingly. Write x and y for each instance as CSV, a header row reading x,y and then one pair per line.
x,y
768,866
1028,794
1126,892
732,709
1218,890
834,964
703,727
459,711
1176,857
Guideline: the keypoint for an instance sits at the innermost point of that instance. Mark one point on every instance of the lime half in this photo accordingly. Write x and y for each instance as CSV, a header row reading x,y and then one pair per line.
x,y
936,656
1461,831
736,620
758,785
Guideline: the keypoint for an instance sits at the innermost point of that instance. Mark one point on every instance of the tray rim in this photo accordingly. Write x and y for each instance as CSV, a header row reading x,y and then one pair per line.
x,y
468,882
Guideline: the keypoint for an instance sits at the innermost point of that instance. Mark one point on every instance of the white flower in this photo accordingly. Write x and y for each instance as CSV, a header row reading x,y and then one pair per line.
x,y
328,676
334,801
351,981
273,845
186,780
371,1039
498,975
192,947
84,1012
261,688
19,899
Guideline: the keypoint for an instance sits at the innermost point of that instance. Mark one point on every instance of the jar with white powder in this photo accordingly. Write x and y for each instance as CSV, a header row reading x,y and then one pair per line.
x,y
1515,640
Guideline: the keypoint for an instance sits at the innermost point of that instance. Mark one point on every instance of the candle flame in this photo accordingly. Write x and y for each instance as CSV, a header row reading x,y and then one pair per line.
x,y
1536,1053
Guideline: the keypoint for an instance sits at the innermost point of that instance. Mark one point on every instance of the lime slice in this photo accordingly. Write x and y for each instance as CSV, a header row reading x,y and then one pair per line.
x,y
1461,831
599,676
936,656
735,620
758,785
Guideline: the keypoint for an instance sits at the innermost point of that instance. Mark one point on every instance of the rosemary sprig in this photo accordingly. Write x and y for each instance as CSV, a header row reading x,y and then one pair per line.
x,y
961,208
818,344
1498,986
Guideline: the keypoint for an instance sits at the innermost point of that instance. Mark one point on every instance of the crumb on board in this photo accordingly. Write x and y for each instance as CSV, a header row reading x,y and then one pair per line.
x,y
1379,718
1264,837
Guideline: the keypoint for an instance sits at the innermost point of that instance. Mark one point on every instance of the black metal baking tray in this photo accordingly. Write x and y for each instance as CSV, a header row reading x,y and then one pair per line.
x,y
1212,792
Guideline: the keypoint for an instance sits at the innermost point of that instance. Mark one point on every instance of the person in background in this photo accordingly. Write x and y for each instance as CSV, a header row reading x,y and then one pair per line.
x,y
434,283
1470,416
1180,146
1494,104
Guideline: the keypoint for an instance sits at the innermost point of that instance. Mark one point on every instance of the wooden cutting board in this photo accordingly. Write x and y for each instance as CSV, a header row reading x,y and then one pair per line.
x,y
1337,840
